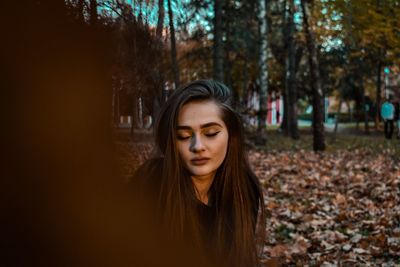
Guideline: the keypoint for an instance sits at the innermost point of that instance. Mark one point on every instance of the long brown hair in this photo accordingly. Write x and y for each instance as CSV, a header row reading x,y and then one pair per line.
x,y
237,195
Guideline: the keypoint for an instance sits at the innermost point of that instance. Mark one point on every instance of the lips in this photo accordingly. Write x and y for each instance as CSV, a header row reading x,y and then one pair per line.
x,y
199,161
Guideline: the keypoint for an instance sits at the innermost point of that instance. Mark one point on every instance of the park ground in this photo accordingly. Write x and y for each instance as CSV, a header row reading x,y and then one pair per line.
x,y
336,208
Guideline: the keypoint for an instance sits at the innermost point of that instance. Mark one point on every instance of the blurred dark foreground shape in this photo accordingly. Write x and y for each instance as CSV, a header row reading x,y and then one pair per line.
x,y
62,200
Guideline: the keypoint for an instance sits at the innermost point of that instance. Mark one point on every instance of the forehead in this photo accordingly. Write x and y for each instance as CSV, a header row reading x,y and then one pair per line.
x,y
196,113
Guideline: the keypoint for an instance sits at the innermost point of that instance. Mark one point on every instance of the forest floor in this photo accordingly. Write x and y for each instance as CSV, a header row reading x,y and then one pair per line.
x,y
336,208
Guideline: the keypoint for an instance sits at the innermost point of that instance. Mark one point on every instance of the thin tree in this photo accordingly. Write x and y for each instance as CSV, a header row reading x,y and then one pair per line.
x,y
175,66
218,70
159,43
318,105
93,13
81,15
378,90
283,125
378,84
160,21
358,71
290,85
263,75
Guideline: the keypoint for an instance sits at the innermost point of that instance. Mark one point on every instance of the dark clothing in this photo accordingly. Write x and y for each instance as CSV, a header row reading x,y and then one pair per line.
x,y
388,113
388,129
148,180
397,118
396,111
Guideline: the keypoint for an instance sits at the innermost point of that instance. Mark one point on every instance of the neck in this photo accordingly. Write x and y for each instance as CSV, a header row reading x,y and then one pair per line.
x,y
202,185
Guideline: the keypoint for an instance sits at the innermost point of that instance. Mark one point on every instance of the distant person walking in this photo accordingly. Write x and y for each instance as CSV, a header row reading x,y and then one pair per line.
x,y
387,114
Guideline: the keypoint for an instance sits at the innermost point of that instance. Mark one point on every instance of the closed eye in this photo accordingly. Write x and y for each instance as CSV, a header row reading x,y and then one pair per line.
x,y
183,137
211,134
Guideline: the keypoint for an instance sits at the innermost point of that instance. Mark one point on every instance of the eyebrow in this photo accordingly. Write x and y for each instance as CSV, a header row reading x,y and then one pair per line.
x,y
206,125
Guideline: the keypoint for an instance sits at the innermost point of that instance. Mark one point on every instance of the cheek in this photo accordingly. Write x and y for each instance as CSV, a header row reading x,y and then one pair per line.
x,y
179,149
182,150
222,146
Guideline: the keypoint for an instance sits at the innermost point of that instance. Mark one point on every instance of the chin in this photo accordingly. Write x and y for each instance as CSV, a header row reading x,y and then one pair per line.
x,y
200,172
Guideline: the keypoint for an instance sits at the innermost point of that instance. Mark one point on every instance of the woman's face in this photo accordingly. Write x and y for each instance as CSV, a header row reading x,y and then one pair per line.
x,y
201,138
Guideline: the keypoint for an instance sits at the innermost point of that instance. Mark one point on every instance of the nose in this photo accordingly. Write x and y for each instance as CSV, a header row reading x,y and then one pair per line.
x,y
196,144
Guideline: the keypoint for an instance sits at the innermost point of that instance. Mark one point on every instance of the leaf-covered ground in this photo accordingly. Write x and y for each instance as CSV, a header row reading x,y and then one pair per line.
x,y
332,209
338,208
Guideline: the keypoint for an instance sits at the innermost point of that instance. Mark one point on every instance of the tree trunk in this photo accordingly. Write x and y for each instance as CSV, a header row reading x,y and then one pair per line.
x,y
358,72
263,75
337,118
81,16
93,13
284,123
364,106
114,106
218,69
134,113
291,89
378,94
175,66
350,111
160,22
318,105
227,61
245,71
160,71
358,115
118,110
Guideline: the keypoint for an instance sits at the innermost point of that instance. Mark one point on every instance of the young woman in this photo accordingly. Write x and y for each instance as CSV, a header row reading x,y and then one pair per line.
x,y
203,187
